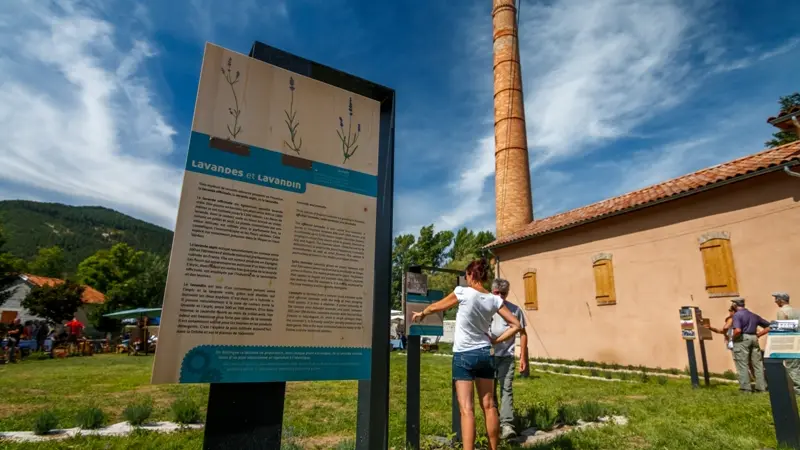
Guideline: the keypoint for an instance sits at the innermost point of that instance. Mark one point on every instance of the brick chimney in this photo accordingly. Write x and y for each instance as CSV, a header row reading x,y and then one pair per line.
x,y
513,204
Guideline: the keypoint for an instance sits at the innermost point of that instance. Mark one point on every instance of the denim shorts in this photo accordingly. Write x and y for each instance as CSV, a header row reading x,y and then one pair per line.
x,y
473,364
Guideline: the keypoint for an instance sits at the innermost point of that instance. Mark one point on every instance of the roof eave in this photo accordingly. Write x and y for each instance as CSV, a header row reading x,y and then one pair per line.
x,y
649,204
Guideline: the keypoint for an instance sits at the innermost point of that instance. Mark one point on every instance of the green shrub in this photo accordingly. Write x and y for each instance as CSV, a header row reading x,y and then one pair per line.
x,y
674,371
644,377
567,370
662,380
545,416
603,365
608,375
569,414
90,418
45,422
730,375
185,411
594,372
615,366
138,413
590,411
581,362
624,376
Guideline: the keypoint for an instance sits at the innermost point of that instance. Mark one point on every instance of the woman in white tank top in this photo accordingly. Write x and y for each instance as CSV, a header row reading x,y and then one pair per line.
x,y
473,364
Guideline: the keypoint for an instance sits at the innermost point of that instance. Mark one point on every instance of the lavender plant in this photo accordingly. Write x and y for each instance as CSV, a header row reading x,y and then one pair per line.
x,y
232,79
290,116
349,146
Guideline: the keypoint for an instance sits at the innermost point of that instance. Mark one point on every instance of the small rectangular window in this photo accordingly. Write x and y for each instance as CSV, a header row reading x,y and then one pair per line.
x,y
531,295
604,282
719,269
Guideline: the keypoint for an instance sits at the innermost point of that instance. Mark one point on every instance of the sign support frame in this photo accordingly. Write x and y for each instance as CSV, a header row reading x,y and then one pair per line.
x,y
783,403
455,411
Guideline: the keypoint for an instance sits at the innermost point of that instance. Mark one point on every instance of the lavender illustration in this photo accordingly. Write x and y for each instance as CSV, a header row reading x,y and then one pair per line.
x,y
235,111
290,122
349,146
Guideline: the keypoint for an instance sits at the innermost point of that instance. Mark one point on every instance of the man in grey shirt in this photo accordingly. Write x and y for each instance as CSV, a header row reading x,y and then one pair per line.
x,y
504,359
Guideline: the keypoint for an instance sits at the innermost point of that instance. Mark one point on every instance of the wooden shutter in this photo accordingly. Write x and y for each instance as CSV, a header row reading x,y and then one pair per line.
x,y
719,268
531,295
604,282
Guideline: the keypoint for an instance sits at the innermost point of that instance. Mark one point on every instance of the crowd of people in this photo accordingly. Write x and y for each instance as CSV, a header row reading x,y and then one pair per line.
x,y
43,336
742,329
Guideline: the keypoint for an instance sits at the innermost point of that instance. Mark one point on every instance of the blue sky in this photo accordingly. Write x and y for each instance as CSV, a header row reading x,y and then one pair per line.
x,y
96,97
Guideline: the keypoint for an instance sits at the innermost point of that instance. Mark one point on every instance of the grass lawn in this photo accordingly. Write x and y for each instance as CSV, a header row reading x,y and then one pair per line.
x,y
323,415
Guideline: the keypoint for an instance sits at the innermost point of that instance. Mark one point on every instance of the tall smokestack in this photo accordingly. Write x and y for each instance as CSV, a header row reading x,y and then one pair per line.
x,y
513,204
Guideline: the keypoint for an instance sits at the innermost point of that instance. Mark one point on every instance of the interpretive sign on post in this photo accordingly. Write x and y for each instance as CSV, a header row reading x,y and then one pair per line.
x,y
783,340
432,325
416,283
272,266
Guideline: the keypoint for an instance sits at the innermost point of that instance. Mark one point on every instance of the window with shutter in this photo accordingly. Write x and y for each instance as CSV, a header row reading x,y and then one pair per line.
x,y
605,293
715,249
531,295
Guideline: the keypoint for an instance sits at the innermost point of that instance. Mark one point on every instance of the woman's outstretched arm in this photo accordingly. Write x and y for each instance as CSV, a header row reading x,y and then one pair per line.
x,y
442,305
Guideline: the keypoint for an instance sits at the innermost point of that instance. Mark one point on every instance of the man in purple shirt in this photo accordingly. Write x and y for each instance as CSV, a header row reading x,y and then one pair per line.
x,y
745,346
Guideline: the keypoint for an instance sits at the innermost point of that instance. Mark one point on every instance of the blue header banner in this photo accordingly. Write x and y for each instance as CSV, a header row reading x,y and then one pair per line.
x,y
432,296
263,167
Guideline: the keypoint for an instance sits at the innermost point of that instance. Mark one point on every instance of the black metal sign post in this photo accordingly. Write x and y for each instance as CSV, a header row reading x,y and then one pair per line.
x,y
413,364
250,415
692,364
244,416
688,334
784,404
455,413
704,360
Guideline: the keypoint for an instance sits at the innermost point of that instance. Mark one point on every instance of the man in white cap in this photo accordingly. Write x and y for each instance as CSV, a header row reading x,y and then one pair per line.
x,y
786,312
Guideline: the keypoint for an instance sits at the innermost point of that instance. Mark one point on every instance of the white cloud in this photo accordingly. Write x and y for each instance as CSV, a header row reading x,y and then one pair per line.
x,y
77,115
597,72
592,71
208,16
756,57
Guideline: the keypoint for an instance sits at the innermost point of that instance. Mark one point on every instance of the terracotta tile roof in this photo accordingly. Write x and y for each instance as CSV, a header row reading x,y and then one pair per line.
x,y
90,294
700,180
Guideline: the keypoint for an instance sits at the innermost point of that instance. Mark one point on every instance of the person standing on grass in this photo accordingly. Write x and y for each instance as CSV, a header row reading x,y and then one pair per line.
x,y
504,359
746,350
41,335
786,312
727,328
14,335
75,328
473,364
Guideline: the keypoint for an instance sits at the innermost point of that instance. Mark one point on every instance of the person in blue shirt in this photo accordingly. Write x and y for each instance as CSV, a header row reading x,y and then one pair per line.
x,y
746,350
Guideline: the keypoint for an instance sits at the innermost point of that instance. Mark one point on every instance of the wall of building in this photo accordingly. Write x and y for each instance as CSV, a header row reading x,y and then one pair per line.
x,y
657,269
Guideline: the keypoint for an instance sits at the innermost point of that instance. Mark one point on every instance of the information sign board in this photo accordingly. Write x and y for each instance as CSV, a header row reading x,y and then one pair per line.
x,y
273,260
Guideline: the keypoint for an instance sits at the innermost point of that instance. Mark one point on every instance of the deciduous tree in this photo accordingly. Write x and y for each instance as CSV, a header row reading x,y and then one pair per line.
x,y
49,262
54,303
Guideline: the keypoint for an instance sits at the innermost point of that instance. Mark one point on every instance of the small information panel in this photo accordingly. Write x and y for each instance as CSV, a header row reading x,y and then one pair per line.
x,y
700,322
416,283
692,324
432,325
783,340
272,266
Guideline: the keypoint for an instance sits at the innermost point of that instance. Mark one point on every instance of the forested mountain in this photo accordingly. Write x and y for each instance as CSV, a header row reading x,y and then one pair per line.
x,y
79,231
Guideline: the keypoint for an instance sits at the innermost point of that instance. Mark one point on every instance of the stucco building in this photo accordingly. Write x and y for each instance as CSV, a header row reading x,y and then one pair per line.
x,y
604,282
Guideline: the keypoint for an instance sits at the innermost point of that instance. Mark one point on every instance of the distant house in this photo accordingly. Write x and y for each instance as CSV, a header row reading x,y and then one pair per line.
x,y
12,308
